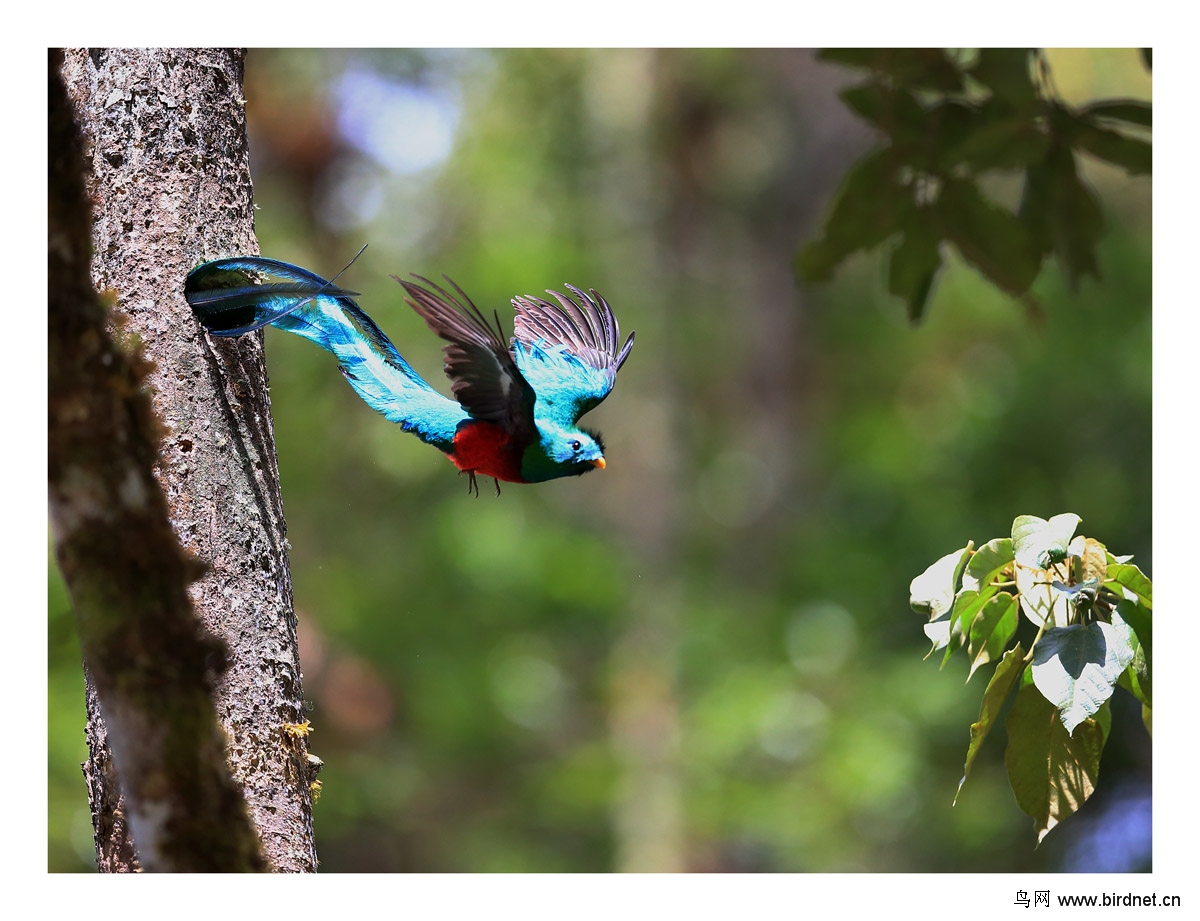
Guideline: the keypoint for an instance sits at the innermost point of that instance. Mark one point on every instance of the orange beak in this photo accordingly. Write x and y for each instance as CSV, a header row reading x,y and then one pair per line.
x,y
599,463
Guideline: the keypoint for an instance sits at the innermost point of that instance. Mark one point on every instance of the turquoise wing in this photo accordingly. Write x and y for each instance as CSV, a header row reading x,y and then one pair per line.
x,y
568,352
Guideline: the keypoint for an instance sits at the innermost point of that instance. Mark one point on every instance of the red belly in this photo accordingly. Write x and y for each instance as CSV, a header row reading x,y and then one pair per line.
x,y
487,450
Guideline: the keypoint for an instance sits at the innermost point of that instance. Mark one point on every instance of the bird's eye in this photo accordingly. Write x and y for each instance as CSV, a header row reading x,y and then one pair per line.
x,y
575,445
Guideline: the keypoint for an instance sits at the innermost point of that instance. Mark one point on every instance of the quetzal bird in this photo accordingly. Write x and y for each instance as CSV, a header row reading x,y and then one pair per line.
x,y
517,406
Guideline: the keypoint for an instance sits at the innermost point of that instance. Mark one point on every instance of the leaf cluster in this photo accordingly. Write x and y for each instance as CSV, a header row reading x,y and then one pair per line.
x,y
943,126
1092,612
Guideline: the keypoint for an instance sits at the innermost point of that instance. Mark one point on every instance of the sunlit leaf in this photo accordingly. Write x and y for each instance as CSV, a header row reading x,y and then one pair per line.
x,y
991,630
1052,773
1040,601
1003,680
932,592
1077,667
1139,676
987,562
1130,577
1089,559
938,631
967,605
1037,543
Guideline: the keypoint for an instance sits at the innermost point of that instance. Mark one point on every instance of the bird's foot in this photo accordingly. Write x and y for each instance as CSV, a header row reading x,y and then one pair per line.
x,y
472,483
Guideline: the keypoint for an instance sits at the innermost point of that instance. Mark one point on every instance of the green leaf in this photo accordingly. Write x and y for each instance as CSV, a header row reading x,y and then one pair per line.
x,y
1134,154
1003,142
967,605
894,110
918,68
1051,772
1127,575
991,630
938,631
1147,57
1089,559
914,265
1037,542
1003,680
989,237
870,206
1075,219
1006,72
932,592
1138,678
987,563
1077,667
1133,111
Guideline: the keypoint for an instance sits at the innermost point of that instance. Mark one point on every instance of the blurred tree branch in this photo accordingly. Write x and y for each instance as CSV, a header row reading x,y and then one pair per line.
x,y
141,488
944,121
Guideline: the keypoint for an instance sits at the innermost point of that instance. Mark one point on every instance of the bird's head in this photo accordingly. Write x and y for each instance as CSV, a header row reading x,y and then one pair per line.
x,y
562,452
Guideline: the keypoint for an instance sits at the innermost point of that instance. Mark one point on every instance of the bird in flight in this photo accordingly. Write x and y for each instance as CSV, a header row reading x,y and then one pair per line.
x,y
516,407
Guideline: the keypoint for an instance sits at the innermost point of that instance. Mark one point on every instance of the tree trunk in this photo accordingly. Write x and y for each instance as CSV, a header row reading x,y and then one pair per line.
x,y
167,171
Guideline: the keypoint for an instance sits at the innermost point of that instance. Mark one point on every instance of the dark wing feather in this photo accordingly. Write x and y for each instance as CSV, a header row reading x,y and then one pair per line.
x,y
483,375
583,327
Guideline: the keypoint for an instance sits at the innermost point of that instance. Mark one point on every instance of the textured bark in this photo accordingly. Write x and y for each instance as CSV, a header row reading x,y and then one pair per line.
x,y
168,175
150,661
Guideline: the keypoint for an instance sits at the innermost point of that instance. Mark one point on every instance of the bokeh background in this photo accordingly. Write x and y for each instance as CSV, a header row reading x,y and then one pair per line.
x,y
701,658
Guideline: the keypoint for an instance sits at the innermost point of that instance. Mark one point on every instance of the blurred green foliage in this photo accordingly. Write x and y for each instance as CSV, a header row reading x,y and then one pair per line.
x,y
948,118
701,657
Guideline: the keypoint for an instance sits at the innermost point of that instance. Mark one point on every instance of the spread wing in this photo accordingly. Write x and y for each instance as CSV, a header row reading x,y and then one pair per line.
x,y
483,375
568,352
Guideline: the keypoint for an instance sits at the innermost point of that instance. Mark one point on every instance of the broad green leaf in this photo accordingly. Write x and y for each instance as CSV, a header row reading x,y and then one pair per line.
x,y
1089,559
932,592
1133,111
967,605
987,563
1076,221
892,109
1037,542
950,123
1133,154
1076,668
1006,72
919,68
914,265
1129,576
1007,142
1052,773
1041,602
991,630
938,630
1036,206
1004,678
870,206
1138,677
989,237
